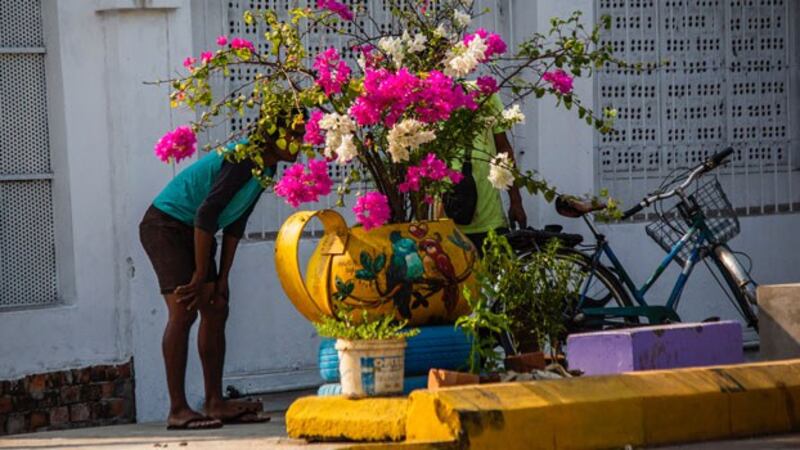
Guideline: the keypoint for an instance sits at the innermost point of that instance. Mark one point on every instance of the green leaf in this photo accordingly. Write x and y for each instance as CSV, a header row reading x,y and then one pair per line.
x,y
364,274
366,260
380,261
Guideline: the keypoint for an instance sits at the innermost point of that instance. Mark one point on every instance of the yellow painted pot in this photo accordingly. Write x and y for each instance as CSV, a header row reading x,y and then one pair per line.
x,y
416,270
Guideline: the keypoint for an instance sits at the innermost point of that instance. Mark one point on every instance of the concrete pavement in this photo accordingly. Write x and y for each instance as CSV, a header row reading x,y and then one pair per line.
x,y
155,436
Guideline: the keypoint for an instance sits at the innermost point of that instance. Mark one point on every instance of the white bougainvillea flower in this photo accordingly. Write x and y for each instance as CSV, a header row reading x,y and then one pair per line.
x,y
346,150
461,19
337,127
394,48
415,44
500,174
407,135
514,115
461,60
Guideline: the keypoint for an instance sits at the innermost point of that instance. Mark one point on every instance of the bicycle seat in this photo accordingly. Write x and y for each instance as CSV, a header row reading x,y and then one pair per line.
x,y
569,206
529,239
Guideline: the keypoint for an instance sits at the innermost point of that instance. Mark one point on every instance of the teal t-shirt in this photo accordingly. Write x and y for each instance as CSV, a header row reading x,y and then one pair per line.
x,y
184,195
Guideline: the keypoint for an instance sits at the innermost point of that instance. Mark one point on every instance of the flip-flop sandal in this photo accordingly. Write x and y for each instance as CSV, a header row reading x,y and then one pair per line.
x,y
247,417
197,423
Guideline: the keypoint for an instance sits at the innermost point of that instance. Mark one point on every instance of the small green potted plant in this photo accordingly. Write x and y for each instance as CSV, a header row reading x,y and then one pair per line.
x,y
533,291
371,351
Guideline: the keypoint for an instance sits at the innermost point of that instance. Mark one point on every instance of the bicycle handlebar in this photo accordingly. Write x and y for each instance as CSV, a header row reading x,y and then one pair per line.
x,y
708,165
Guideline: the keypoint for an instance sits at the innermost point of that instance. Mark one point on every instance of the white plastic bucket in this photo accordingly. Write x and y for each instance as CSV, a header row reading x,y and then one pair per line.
x,y
369,368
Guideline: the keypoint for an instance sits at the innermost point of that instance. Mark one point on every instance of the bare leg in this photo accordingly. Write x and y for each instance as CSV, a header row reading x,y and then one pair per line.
x,y
175,348
211,346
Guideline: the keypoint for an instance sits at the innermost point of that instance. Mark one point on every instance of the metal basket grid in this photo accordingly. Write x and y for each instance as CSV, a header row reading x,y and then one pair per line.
x,y
721,219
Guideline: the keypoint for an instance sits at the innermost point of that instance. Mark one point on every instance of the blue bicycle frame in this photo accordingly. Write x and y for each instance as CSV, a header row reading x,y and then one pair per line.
x,y
698,233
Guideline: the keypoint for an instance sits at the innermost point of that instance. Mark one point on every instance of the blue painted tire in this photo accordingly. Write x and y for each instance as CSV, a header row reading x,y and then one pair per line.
x,y
409,384
440,347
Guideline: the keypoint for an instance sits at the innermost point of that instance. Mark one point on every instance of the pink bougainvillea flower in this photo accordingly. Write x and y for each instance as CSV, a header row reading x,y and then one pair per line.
x,y
176,145
560,80
313,134
487,85
189,62
431,168
494,43
239,43
206,57
337,8
332,72
299,185
222,40
372,210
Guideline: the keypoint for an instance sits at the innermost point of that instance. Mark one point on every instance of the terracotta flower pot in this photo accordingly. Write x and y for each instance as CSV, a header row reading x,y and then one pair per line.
x,y
440,378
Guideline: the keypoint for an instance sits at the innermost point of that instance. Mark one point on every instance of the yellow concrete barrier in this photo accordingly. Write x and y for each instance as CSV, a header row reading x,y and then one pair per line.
x,y
645,408
638,409
341,419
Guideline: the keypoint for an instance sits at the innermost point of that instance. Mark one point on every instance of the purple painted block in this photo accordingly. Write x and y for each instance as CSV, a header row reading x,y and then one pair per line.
x,y
656,347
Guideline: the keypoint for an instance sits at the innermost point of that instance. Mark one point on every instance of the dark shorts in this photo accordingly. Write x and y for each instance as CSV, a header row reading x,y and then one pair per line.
x,y
169,244
478,238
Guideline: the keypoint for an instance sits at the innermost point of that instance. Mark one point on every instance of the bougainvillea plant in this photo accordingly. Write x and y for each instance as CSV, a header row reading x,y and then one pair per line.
x,y
401,116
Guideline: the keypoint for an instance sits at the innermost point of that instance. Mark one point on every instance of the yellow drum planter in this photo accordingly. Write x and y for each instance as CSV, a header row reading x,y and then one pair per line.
x,y
416,270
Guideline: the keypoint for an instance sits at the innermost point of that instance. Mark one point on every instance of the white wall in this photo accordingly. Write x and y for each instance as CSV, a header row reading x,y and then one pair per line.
x,y
104,122
561,149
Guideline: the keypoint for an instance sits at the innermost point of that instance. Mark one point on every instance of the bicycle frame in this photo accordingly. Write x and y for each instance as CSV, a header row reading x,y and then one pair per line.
x,y
655,313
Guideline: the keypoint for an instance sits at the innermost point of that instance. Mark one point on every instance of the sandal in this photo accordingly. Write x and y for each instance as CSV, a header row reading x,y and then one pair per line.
x,y
197,423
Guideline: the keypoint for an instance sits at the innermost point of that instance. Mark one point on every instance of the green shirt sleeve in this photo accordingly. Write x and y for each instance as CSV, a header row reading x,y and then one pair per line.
x,y
497,105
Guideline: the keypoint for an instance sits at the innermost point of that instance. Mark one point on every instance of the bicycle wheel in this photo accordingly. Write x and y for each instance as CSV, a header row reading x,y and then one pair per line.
x,y
743,305
604,290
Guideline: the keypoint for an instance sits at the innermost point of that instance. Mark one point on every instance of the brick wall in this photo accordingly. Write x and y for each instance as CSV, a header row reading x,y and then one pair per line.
x,y
91,396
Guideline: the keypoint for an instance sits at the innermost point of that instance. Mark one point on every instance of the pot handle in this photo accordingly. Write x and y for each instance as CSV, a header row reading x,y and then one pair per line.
x,y
287,261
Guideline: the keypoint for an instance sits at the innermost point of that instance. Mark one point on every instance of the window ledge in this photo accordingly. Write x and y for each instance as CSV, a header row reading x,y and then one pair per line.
x,y
134,5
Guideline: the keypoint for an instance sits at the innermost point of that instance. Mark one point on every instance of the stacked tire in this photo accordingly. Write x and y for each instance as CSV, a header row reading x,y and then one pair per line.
x,y
435,347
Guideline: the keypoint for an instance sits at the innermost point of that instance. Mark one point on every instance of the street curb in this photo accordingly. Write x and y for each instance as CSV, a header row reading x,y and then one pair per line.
x,y
637,409
340,419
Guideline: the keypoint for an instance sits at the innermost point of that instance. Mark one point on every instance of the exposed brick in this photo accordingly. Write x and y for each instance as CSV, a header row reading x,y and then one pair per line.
x,y
36,385
23,403
79,412
16,424
70,394
52,397
91,393
124,370
106,389
117,407
59,415
6,404
82,376
99,411
16,387
4,388
123,389
68,377
99,373
112,373
39,419
3,420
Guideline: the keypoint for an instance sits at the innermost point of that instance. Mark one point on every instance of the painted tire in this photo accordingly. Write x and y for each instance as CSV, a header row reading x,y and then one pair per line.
x,y
409,384
440,347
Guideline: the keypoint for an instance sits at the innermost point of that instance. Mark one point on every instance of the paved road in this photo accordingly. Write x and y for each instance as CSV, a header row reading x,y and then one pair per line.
x,y
766,443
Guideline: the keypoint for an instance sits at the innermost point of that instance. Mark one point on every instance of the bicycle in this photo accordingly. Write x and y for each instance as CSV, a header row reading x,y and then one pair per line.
x,y
696,228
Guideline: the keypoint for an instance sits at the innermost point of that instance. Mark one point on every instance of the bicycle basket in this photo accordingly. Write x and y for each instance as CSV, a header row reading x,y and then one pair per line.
x,y
721,220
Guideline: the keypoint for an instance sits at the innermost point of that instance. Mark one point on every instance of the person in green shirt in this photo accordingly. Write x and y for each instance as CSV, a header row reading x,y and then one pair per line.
x,y
178,234
489,214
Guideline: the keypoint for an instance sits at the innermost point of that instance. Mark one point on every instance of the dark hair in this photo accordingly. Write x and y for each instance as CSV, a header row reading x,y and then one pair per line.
x,y
284,121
